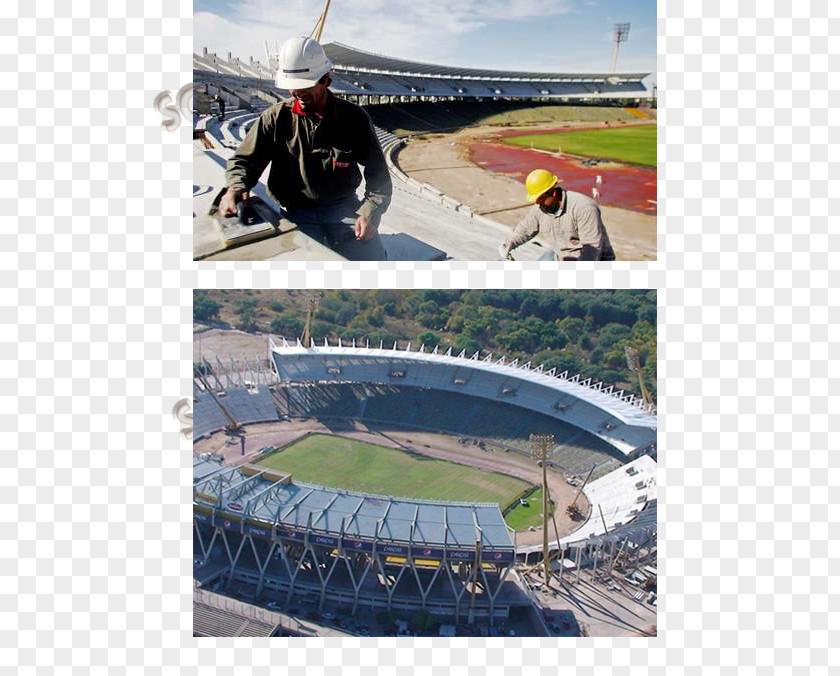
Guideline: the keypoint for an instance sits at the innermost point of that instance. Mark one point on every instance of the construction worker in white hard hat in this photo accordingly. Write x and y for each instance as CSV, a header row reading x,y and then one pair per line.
x,y
568,222
316,144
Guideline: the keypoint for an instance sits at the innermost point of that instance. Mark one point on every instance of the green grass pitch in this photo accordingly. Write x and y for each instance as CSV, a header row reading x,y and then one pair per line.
x,y
635,145
522,517
337,462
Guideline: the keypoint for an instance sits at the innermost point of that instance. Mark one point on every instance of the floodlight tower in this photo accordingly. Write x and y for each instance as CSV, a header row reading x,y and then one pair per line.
x,y
312,300
620,33
541,447
634,364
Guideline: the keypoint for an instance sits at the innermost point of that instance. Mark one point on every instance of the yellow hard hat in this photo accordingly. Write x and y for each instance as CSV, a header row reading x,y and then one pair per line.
x,y
538,182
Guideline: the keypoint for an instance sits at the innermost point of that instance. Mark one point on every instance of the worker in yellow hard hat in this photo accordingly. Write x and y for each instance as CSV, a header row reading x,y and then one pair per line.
x,y
568,222
539,182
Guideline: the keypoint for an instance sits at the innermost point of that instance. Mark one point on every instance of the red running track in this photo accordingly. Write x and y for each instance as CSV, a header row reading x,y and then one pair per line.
x,y
623,186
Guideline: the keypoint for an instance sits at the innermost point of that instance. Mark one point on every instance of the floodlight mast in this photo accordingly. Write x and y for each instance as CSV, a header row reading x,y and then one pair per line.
x,y
541,447
620,33
312,300
635,365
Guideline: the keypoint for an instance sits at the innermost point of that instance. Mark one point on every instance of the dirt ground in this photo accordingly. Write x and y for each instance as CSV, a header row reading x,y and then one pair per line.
x,y
602,604
442,160
244,446
228,344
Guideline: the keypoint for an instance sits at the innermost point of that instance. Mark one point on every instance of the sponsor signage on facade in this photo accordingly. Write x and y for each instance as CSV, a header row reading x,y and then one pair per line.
x,y
426,553
226,523
201,516
323,540
259,531
497,557
460,554
356,546
393,550
235,506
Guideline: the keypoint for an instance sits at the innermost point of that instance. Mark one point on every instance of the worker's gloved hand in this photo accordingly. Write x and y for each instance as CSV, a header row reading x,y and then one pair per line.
x,y
504,251
227,207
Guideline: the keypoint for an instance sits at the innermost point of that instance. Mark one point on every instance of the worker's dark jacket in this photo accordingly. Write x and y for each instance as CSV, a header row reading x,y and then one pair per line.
x,y
314,161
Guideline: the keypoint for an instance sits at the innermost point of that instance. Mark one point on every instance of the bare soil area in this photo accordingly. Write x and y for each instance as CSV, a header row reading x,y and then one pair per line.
x,y
229,343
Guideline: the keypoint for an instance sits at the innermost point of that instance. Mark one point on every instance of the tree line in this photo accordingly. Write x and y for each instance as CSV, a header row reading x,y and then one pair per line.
x,y
580,331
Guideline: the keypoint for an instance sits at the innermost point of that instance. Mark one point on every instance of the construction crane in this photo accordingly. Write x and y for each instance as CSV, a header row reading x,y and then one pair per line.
x,y
232,424
312,300
634,364
572,510
319,25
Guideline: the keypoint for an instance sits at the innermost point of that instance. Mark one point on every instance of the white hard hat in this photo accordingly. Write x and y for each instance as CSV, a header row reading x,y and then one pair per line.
x,y
302,63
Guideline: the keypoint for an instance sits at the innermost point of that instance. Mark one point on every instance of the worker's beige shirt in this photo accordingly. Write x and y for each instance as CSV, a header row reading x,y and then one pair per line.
x,y
575,233
314,160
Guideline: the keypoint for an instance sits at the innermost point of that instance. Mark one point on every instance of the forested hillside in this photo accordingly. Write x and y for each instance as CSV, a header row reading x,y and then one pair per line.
x,y
580,331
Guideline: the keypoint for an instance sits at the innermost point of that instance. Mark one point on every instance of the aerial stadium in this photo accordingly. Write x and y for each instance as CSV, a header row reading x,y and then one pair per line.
x,y
458,142
404,479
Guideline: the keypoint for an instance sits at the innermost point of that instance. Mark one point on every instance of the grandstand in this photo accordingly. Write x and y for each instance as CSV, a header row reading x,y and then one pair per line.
x,y
246,405
422,223
265,532
618,418
368,78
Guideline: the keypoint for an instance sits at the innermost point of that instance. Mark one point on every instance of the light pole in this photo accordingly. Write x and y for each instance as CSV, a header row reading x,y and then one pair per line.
x,y
620,33
312,301
541,447
635,365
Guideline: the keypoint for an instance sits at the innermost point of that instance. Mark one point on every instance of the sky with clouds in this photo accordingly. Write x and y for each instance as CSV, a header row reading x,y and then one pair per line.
x,y
558,35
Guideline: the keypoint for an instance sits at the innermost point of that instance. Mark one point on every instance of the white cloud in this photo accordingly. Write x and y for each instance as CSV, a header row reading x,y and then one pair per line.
x,y
423,31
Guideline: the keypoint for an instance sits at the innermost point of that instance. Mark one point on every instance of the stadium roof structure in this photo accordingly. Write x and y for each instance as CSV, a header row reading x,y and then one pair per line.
x,y
350,58
618,417
258,501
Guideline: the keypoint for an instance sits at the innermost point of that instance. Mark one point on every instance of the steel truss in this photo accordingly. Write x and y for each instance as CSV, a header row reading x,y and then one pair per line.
x,y
620,551
368,578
